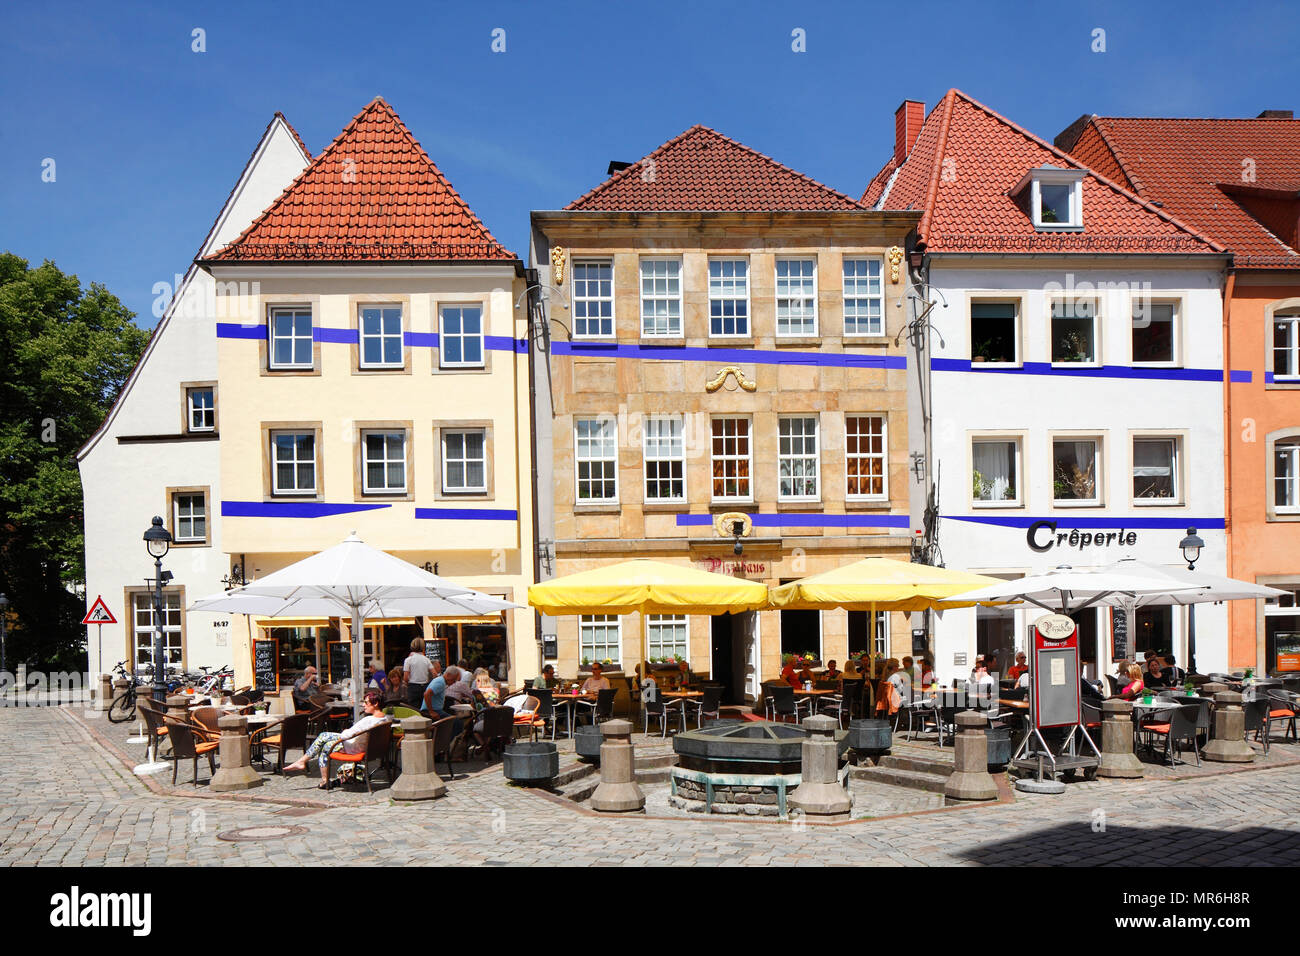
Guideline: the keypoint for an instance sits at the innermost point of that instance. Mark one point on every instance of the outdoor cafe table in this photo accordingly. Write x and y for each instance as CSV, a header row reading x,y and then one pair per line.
x,y
569,700
814,694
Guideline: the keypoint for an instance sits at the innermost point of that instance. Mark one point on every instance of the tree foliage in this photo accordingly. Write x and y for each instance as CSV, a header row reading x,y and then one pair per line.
x,y
65,353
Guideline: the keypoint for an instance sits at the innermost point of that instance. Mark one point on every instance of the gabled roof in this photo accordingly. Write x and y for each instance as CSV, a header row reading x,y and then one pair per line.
x,y
373,194
962,171
703,171
1237,180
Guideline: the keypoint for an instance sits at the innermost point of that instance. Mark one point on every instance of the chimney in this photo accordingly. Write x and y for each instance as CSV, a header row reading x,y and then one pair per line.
x,y
907,126
1275,114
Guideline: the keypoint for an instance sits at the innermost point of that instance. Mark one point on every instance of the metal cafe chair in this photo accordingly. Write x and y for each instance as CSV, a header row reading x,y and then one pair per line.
x,y
1180,727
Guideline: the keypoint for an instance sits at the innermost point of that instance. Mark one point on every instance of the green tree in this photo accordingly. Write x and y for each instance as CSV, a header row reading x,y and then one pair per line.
x,y
65,353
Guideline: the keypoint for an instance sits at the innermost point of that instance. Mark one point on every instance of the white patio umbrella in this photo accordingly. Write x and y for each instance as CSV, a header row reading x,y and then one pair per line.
x,y
1066,590
355,580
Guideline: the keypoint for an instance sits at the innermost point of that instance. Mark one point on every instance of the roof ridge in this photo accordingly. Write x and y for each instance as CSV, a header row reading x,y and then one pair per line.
x,y
1203,119
940,146
627,171
1039,141
290,127
1117,155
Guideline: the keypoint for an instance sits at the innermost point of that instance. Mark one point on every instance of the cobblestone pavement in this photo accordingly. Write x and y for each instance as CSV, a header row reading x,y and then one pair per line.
x,y
65,800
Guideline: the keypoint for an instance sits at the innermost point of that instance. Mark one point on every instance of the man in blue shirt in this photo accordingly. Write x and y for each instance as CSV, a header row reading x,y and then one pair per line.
x,y
435,694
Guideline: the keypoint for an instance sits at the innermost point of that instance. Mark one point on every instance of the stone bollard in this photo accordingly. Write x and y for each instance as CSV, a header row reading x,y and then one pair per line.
x,y
178,708
236,771
1117,757
1228,742
970,778
820,794
618,792
107,685
418,780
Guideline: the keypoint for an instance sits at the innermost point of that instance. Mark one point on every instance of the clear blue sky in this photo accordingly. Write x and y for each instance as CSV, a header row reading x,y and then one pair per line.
x,y
148,137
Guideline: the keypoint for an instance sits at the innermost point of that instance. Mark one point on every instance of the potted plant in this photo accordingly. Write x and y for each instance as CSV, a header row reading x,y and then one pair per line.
x,y
1190,688
981,487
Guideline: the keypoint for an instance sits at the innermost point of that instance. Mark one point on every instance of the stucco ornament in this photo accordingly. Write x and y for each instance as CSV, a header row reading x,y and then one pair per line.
x,y
895,257
730,370
557,265
725,524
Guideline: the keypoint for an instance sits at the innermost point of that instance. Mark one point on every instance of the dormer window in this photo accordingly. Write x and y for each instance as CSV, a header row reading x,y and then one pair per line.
x,y
1055,198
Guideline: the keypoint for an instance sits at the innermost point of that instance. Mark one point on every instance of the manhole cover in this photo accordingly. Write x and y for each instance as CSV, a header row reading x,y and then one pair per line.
x,y
261,833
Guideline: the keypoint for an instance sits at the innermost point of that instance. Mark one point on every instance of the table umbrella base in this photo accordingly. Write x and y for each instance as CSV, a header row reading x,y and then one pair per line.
x,y
1033,785
145,769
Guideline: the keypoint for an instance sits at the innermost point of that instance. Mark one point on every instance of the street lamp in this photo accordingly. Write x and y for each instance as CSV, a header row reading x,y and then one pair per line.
x,y
1191,547
4,613
158,541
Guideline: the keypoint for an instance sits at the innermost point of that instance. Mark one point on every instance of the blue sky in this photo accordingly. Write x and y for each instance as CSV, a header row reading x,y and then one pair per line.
x,y
148,136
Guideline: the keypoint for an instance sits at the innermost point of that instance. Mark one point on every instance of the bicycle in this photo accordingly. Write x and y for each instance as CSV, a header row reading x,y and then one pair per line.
x,y
123,707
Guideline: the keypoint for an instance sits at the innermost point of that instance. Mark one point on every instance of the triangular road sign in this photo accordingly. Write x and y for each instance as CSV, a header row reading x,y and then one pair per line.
x,y
99,613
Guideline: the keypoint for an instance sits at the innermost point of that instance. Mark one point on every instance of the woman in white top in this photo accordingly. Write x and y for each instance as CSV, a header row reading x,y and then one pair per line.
x,y
352,740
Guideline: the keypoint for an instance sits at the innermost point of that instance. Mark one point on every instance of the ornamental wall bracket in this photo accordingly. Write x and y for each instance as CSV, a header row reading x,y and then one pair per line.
x,y
725,524
557,265
895,257
730,370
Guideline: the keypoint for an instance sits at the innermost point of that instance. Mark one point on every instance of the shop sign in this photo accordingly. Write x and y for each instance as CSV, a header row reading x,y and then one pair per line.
x,y
1043,536
733,568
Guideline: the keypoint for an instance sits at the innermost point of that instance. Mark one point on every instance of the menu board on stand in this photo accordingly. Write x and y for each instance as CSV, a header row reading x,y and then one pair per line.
x,y
266,666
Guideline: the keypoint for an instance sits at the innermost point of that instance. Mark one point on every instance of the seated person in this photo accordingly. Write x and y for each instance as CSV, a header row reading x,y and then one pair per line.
x,y
1135,686
1155,675
546,679
1018,668
596,682
1088,692
850,669
900,678
304,687
832,672
459,690
888,697
435,695
352,740
684,676
927,673
789,676
806,675
1021,689
487,688
396,692
378,679
1173,673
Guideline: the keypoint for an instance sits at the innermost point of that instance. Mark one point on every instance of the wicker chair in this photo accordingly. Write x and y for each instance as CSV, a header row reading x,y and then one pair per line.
x,y
376,751
185,746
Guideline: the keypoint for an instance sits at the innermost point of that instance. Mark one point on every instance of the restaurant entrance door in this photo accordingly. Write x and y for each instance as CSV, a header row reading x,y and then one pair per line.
x,y
734,656
722,643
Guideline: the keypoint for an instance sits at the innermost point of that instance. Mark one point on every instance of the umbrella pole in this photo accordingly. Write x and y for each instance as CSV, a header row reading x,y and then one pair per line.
x,y
357,668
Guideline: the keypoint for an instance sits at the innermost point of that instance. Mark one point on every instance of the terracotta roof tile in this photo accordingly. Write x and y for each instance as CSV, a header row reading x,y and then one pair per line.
x,y
373,194
961,173
1237,180
702,170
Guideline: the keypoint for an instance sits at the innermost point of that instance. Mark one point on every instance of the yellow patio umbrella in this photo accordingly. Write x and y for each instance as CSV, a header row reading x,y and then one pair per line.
x,y
881,584
648,587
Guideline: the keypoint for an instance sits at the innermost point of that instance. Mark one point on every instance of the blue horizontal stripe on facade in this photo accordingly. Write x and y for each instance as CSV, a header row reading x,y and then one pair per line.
x,y
806,520
291,509
336,336
1105,371
468,514
1131,523
494,343
673,353
232,330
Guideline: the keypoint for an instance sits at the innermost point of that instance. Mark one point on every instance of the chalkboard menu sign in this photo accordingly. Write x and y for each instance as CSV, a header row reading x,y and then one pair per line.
x,y
340,661
266,666
436,650
1119,635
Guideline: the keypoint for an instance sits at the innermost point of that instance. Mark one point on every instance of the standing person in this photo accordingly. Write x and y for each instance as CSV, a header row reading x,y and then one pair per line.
x,y
418,671
352,740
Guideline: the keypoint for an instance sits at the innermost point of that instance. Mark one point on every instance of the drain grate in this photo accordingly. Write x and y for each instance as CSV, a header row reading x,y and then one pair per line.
x,y
247,834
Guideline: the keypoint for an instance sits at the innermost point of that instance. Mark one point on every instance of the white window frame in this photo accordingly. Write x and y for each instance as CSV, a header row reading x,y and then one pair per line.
x,y
652,433
1292,448
1017,317
143,633
1292,349
582,332
649,321
1062,177
586,622
202,515
464,460
868,456
386,460
1099,471
382,337
293,337
731,297
1175,332
655,648
1177,468
805,298
853,290
296,462
1096,360
209,411
608,433
1019,500
727,457
814,456
462,336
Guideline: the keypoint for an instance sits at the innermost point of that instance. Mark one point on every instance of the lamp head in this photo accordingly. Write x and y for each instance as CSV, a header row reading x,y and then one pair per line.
x,y
157,539
1191,547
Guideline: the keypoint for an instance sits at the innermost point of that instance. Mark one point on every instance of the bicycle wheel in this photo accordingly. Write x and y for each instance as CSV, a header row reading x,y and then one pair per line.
x,y
123,708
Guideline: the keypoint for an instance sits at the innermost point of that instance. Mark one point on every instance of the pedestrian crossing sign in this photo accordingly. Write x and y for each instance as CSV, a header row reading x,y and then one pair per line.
x,y
99,613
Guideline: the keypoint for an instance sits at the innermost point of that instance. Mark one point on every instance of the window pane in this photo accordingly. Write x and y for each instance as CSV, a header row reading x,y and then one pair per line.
x,y
993,467
1286,476
1286,346
593,300
1153,332
1154,463
1054,203
1074,472
993,332
864,455
863,299
1073,331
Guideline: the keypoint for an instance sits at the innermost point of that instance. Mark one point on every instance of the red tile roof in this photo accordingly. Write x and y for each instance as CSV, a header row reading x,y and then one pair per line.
x,y
1237,180
702,170
373,194
961,173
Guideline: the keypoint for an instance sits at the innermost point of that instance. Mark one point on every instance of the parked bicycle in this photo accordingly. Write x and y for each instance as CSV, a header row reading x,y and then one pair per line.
x,y
123,707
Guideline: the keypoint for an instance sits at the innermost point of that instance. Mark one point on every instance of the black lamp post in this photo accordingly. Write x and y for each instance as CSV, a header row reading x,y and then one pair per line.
x,y
158,541
4,613
1191,547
